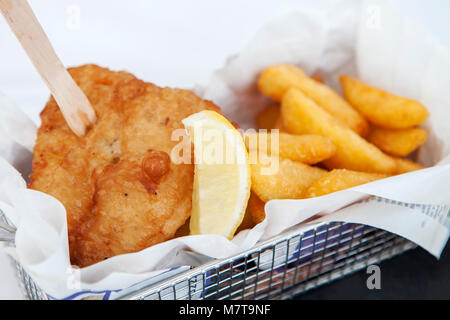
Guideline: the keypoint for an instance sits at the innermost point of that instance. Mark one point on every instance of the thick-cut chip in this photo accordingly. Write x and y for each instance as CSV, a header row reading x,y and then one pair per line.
x,y
267,118
275,81
340,179
255,208
247,222
290,181
301,115
317,77
397,142
307,148
382,108
280,125
406,165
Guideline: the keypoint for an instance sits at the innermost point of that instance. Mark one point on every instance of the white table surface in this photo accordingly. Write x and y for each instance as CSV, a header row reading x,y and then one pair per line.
x,y
179,44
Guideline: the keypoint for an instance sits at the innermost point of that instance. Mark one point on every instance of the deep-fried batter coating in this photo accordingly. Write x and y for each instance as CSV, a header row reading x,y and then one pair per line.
x,y
121,191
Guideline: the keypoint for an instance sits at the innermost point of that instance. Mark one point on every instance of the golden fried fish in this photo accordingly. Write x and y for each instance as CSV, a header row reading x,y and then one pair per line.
x,y
121,191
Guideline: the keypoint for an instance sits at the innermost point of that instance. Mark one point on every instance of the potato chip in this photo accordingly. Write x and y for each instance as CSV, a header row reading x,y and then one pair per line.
x,y
317,77
397,142
280,125
255,208
301,115
406,165
382,108
308,148
247,222
275,81
289,181
267,118
340,179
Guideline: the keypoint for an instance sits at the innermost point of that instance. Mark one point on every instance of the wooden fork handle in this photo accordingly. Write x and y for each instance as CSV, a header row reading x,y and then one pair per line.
x,y
74,105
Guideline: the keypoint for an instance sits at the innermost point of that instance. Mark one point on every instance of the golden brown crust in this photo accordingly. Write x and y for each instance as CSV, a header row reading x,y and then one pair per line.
x,y
100,179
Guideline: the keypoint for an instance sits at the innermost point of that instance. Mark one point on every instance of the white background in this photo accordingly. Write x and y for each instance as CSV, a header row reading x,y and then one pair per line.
x,y
171,43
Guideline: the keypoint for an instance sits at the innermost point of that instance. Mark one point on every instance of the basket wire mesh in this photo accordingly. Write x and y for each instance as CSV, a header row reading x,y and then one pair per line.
x,y
279,268
282,267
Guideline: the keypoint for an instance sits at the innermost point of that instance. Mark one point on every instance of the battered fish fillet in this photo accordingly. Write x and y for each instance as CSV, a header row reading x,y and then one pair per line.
x,y
121,191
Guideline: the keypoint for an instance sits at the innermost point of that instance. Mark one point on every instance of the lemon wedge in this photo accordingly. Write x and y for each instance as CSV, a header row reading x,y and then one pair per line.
x,y
221,176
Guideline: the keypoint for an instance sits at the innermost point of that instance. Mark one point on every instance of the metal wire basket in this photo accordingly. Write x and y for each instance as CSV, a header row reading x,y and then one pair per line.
x,y
289,264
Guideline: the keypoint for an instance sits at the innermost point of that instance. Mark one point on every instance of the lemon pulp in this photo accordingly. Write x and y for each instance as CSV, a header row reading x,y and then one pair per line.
x,y
221,176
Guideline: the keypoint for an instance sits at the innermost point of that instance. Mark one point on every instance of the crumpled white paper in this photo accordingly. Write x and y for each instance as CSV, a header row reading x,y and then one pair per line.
x,y
369,41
